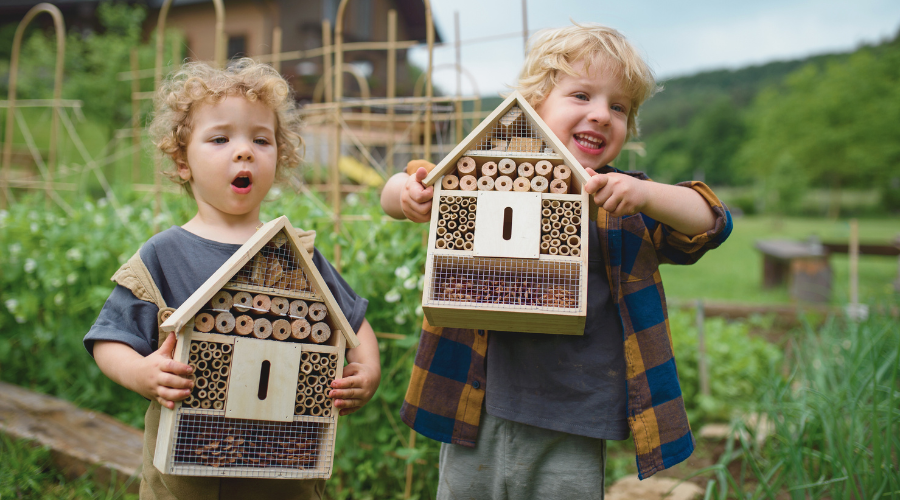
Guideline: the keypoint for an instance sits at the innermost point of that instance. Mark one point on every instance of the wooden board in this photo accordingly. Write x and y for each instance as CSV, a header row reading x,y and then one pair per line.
x,y
508,224
243,399
506,320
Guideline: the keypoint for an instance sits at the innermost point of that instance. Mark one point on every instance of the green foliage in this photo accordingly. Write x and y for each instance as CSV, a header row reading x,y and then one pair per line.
x,y
26,472
835,420
737,364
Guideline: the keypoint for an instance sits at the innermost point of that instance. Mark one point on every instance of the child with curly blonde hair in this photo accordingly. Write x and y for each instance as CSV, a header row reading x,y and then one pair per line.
x,y
230,133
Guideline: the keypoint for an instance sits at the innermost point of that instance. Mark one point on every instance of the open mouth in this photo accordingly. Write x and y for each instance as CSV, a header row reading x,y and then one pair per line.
x,y
241,182
589,141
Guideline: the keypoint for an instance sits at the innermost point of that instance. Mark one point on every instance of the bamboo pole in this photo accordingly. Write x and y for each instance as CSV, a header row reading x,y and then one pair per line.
x,y
457,45
407,491
276,48
327,62
525,25
391,85
429,89
60,29
701,347
135,119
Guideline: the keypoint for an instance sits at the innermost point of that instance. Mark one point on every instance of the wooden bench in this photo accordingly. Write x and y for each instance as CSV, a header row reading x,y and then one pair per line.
x,y
803,265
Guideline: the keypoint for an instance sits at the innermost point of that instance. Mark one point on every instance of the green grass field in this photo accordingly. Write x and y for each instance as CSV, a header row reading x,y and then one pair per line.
x,y
733,272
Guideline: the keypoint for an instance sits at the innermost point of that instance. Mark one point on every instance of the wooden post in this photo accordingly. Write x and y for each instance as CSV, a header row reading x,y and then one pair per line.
x,y
391,85
135,119
276,48
457,44
429,89
525,25
854,263
327,54
701,348
407,492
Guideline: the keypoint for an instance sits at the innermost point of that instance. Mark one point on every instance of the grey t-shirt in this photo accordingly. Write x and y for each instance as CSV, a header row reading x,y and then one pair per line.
x,y
573,384
180,262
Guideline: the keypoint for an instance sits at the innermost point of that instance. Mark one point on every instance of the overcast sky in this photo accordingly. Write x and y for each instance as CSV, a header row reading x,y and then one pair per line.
x,y
677,38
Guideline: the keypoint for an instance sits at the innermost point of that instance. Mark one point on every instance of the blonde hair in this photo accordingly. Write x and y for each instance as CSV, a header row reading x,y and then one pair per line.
x,y
197,83
553,51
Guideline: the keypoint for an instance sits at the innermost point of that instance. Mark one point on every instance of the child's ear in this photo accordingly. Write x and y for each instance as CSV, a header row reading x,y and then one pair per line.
x,y
184,171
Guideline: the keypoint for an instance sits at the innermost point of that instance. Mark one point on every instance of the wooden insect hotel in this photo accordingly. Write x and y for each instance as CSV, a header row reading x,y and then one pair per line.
x,y
507,247
266,339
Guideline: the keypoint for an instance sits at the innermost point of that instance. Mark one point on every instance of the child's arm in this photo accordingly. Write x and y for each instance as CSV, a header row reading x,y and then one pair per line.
x,y
405,197
681,208
156,376
361,375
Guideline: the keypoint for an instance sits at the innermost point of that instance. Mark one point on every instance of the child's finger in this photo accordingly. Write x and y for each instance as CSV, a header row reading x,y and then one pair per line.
x,y
421,174
168,346
596,183
421,194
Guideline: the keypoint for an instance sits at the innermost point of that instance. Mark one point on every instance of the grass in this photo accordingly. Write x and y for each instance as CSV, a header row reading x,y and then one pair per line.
x,y
733,272
26,472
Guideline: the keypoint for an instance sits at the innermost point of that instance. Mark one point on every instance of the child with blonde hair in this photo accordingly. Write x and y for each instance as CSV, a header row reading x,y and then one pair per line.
x,y
527,416
230,134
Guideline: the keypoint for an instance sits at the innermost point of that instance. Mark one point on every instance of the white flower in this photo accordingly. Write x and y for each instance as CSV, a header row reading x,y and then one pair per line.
x,y
20,320
74,254
33,215
275,191
89,206
71,278
30,265
56,283
102,202
34,227
402,272
419,311
392,296
3,215
11,304
352,199
99,220
399,319
58,299
361,257
421,284
15,248
146,215
410,283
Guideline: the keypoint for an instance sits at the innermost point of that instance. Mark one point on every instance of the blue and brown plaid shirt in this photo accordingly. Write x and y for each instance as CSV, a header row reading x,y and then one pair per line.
x,y
448,381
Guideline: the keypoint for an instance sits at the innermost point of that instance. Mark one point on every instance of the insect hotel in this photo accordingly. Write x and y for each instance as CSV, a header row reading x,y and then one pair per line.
x,y
266,339
507,247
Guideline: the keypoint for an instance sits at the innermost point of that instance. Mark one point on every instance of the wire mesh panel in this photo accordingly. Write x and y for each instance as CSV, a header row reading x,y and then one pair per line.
x,y
207,445
275,267
513,284
514,134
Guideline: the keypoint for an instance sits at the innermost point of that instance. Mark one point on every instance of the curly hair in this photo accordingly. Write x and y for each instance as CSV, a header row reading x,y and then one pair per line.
x,y
198,83
554,51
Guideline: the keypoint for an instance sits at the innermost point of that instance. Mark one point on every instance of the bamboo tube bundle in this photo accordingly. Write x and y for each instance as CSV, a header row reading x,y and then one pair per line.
x,y
450,182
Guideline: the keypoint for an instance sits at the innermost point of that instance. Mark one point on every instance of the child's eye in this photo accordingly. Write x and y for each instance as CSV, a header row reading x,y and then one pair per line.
x,y
581,96
619,108
261,140
219,140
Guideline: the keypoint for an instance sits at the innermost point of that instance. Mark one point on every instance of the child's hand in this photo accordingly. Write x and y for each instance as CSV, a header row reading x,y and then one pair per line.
x,y
356,388
165,379
415,199
618,194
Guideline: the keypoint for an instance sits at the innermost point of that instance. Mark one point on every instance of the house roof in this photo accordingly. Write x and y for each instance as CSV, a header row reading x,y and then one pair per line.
x,y
243,256
514,110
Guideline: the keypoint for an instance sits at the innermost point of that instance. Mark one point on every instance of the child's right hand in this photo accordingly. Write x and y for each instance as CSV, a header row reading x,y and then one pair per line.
x,y
163,378
415,199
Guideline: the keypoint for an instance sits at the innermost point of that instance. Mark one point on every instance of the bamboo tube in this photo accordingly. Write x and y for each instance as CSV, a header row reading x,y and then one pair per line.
x,y
444,208
457,234
279,306
300,329
450,182
546,212
317,311
556,225
575,252
451,225
468,183
213,377
216,364
559,186
563,173
195,403
462,221
458,243
331,373
555,243
503,183
225,348
224,323
526,170
564,249
521,185
261,303
200,383
554,234
218,405
485,184
440,244
221,301
575,220
543,169
454,207
321,332
470,236
326,412
323,380
314,358
216,352
567,205
448,237
243,325
540,184
546,237
507,167
554,204
315,411
304,356
206,404
225,369
308,390
570,229
319,398
222,385
262,328
554,250
574,241
442,222
281,329
201,394
306,367
204,322
465,165
195,347
489,169
441,231
202,365
545,247
298,309
299,409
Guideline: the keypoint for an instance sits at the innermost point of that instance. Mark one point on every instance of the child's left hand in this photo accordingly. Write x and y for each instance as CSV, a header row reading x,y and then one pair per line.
x,y
356,388
618,194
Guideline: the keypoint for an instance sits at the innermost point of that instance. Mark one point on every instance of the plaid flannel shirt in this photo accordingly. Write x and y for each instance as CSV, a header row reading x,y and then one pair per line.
x,y
447,385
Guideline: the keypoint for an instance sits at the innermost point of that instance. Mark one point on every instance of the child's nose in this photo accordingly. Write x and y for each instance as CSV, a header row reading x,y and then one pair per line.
x,y
600,112
243,154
